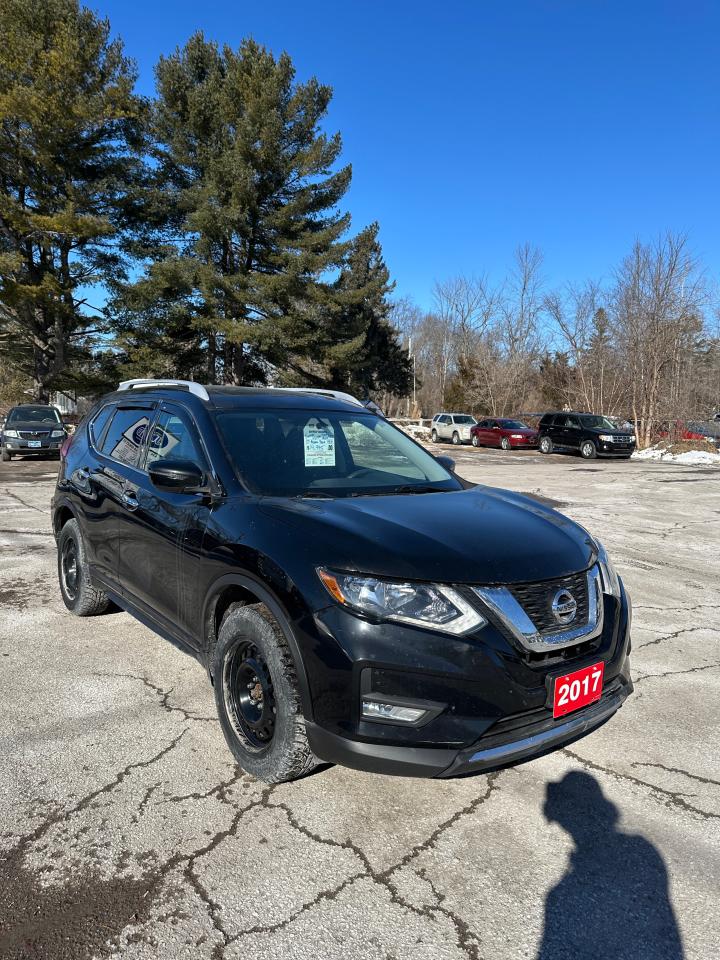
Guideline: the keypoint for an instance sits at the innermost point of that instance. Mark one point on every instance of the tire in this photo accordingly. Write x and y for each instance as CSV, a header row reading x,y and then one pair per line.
x,y
258,697
475,441
5,456
456,439
76,589
587,450
505,443
434,436
546,445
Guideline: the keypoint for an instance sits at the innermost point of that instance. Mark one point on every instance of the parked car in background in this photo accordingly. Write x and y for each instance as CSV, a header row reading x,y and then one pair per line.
x,y
32,428
501,432
680,430
591,434
455,427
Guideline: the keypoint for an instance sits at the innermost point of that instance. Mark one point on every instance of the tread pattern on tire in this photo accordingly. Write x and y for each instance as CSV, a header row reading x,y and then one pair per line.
x,y
298,759
90,601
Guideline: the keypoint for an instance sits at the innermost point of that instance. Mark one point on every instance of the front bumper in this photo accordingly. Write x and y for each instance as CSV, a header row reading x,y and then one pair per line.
x,y
13,445
531,738
525,442
615,449
492,703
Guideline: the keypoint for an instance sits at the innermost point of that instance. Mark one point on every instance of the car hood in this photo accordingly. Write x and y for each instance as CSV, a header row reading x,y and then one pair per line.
x,y
33,425
481,535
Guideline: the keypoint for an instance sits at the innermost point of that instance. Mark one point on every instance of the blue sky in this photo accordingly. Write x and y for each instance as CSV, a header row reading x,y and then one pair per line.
x,y
475,126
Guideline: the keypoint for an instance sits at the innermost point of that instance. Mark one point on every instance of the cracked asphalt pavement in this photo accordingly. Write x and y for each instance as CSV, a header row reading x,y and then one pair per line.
x,y
127,831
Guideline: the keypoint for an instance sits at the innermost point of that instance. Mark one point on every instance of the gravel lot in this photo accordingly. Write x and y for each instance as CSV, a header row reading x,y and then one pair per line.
x,y
126,830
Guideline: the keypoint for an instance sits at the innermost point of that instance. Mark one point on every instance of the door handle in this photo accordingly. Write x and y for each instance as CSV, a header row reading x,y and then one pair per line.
x,y
130,500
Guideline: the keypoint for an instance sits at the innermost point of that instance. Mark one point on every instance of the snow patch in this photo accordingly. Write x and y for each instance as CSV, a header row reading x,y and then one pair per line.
x,y
691,457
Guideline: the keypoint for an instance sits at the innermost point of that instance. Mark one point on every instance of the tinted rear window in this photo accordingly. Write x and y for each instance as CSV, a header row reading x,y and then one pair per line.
x,y
126,435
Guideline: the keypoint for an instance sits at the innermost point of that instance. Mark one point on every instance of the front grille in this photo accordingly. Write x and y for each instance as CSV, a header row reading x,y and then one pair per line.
x,y
536,600
32,435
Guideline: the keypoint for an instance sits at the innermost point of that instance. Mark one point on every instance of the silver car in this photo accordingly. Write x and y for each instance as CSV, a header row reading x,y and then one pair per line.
x,y
452,426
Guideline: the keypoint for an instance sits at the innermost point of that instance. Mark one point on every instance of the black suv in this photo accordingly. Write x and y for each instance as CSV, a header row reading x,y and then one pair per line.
x,y
591,434
352,600
32,428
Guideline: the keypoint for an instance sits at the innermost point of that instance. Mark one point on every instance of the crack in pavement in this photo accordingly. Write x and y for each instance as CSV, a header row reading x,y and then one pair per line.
x,y
674,635
668,797
685,773
163,694
468,941
675,673
18,850
24,503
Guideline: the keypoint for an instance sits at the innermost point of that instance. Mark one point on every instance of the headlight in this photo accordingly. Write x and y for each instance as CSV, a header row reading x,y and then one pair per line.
x,y
57,433
606,438
610,579
422,604
10,433
516,436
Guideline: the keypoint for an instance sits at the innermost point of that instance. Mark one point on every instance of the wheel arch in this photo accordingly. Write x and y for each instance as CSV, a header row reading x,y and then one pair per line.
x,y
245,589
61,514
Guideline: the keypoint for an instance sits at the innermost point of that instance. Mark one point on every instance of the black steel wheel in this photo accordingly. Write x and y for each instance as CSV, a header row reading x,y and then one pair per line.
x,y
249,693
257,695
78,593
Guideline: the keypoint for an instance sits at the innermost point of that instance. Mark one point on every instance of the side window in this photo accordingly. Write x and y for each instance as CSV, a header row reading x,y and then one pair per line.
x,y
126,434
573,423
99,422
172,438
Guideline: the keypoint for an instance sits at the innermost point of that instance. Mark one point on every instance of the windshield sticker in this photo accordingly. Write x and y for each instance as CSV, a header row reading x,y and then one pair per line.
x,y
319,445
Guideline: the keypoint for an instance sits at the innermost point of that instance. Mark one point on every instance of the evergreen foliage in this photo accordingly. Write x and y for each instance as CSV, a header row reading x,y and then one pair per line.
x,y
70,128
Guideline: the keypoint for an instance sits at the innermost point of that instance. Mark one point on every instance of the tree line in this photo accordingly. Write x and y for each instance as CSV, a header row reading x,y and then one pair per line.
x,y
197,234
200,233
644,344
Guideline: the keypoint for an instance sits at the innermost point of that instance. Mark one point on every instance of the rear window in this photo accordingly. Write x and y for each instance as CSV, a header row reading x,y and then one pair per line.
x,y
126,435
99,422
547,420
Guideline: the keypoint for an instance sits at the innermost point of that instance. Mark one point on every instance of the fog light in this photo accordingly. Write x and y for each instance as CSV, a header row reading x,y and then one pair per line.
x,y
391,711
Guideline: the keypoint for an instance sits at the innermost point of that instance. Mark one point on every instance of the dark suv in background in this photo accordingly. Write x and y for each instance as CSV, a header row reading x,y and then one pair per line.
x,y
32,428
352,599
591,434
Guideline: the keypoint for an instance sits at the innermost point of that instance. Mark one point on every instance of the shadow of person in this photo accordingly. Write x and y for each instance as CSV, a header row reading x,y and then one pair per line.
x,y
613,901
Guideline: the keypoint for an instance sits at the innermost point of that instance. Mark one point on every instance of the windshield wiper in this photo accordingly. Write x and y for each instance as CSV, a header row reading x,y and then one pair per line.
x,y
416,488
313,495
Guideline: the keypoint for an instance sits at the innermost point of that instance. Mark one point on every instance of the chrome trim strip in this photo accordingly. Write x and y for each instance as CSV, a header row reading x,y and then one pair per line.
x,y
507,751
504,605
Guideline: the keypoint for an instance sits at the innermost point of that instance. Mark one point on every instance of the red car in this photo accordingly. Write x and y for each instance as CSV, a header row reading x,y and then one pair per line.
x,y
499,432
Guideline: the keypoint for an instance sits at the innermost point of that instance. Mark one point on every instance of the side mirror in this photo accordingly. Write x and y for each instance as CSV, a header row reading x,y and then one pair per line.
x,y
176,476
446,462
496,427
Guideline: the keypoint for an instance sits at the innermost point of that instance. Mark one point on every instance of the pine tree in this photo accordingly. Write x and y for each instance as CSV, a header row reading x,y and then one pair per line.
x,y
370,358
69,128
250,235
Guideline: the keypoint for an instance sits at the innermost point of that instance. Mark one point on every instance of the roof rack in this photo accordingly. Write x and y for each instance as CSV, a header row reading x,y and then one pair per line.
x,y
197,388
337,394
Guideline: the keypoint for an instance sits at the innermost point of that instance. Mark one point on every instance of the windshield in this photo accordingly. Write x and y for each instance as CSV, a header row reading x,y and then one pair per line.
x,y
307,453
513,425
463,419
34,414
597,423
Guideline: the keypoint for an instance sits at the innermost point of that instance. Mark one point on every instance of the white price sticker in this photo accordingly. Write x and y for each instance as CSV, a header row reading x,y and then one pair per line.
x,y
319,445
